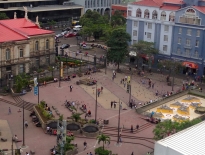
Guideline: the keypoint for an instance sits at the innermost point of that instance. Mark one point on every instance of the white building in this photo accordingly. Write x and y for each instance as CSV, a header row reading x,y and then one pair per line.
x,y
187,142
100,6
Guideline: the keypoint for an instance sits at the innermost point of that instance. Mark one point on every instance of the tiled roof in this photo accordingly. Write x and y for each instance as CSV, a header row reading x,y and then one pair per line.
x,y
167,7
19,29
151,3
200,8
174,1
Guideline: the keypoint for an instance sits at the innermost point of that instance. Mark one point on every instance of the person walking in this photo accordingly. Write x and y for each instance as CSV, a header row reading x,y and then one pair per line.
x,y
132,153
114,104
26,124
9,111
111,103
71,88
85,145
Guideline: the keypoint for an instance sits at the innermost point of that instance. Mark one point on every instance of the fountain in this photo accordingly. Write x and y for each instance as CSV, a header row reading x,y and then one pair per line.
x,y
73,127
90,130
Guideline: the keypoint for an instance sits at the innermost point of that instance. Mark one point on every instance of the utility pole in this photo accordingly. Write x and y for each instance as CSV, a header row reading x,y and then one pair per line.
x,y
23,145
96,103
59,73
118,139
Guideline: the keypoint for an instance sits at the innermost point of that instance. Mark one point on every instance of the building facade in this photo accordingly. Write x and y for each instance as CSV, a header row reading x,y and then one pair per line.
x,y
24,47
176,28
101,6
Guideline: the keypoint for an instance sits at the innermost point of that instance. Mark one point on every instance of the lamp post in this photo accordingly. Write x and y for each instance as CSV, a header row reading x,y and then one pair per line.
x,y
53,71
66,55
118,139
96,102
23,145
59,74
130,87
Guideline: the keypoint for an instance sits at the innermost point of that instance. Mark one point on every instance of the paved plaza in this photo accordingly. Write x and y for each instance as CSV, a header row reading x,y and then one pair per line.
x,y
139,142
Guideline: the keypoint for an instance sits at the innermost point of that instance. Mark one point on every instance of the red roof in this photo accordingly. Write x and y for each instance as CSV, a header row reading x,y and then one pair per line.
x,y
119,7
151,3
19,29
173,8
200,8
174,1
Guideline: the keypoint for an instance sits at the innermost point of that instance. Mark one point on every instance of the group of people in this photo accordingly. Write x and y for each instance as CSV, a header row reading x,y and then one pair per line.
x,y
48,109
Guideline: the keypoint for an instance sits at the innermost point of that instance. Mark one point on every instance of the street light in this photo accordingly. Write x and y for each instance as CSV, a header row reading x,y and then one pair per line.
x,y
96,101
118,139
23,145
53,71
66,55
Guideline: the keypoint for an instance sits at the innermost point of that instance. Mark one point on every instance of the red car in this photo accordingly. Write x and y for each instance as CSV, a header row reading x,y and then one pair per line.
x,y
70,35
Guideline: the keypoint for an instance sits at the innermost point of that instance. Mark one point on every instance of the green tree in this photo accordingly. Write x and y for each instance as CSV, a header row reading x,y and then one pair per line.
x,y
117,19
68,145
101,151
3,16
118,45
103,138
167,127
21,81
76,116
146,48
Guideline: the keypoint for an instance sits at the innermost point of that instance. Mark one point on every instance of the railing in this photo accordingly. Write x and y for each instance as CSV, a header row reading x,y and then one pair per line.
x,y
41,52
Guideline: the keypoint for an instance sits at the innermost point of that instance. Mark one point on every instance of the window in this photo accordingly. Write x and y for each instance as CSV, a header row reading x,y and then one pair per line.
x,y
135,23
166,28
134,33
163,15
47,44
187,52
165,37
8,54
179,40
20,53
134,41
178,51
189,32
149,25
171,17
196,54
129,13
198,33
138,13
197,43
21,68
47,60
180,30
146,13
154,14
190,18
36,46
149,35
164,47
188,42
37,62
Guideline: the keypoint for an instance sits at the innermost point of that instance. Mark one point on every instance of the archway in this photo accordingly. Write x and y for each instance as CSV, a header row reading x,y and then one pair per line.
x,y
102,11
107,11
98,10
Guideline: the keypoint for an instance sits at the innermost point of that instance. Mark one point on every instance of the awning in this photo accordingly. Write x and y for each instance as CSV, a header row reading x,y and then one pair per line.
x,y
190,65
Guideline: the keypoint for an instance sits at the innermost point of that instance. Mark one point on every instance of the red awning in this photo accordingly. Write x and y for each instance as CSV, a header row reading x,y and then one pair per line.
x,y
190,65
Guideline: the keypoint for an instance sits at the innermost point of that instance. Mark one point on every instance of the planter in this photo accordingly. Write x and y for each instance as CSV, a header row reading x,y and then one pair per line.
x,y
74,127
43,123
90,130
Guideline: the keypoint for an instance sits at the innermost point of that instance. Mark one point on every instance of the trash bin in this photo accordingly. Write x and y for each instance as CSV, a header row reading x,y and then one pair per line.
x,y
106,121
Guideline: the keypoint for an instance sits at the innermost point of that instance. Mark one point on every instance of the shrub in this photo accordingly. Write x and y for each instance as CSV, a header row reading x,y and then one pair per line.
x,y
100,151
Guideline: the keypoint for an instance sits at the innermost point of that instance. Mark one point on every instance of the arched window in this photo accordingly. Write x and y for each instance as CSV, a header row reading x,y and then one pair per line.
x,y
171,16
190,17
8,54
47,44
138,13
146,13
190,12
36,46
163,15
154,14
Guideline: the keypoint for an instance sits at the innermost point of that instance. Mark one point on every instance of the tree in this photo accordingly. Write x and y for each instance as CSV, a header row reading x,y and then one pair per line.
x,y
174,67
167,127
3,16
76,116
118,45
68,145
117,19
146,48
21,81
103,138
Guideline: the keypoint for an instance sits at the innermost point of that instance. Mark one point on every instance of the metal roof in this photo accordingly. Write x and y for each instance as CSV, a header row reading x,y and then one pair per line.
x,y
190,141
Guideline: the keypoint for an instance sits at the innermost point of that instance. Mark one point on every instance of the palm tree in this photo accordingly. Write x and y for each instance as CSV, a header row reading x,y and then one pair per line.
x,y
104,139
76,116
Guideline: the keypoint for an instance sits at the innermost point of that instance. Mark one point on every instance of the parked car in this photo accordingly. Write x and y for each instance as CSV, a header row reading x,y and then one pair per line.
x,y
64,46
71,34
59,35
66,29
64,32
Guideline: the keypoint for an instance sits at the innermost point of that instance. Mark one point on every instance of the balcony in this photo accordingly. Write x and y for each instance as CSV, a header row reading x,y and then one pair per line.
x,y
187,47
41,52
14,61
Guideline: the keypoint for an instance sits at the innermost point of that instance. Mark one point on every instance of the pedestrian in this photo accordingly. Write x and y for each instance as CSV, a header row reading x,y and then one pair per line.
x,y
27,153
124,84
114,104
71,88
85,145
131,129
152,85
123,80
132,153
98,92
91,153
148,153
111,104
120,139
121,105
9,110
26,124
101,89
137,126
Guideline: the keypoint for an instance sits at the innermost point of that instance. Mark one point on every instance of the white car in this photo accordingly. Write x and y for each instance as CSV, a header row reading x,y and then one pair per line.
x,y
59,35
64,33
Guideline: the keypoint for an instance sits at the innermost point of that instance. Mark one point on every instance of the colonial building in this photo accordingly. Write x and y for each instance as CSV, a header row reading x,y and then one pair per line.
x,y
176,27
24,47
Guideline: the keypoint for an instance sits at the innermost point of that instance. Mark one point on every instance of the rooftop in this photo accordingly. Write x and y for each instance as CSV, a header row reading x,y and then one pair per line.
x,y
151,3
19,29
188,142
200,8
173,8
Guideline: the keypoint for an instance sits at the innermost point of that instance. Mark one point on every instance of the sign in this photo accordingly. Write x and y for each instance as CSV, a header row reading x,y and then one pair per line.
x,y
35,86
